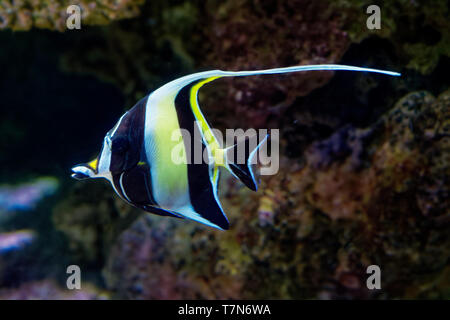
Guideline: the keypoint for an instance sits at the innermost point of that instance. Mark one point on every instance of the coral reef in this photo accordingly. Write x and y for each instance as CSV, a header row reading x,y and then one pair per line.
x,y
91,220
377,195
22,15
257,34
248,35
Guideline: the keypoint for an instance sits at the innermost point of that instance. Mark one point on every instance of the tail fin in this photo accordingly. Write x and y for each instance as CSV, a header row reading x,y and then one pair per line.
x,y
240,158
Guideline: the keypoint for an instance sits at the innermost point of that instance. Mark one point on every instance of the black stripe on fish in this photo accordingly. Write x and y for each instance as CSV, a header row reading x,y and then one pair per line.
x,y
129,165
201,189
136,182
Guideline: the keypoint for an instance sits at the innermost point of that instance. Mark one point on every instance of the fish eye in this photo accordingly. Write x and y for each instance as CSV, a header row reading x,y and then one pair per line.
x,y
119,144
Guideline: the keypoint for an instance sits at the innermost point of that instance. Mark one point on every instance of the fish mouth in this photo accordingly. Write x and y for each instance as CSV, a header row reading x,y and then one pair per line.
x,y
82,172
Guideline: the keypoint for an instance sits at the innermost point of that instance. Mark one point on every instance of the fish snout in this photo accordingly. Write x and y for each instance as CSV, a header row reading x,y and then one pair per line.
x,y
82,172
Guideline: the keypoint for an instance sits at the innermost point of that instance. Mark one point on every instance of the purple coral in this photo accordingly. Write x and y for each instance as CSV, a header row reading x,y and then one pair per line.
x,y
10,241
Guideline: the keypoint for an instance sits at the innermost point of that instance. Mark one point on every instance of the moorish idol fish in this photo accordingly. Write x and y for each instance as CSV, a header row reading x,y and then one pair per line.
x,y
136,153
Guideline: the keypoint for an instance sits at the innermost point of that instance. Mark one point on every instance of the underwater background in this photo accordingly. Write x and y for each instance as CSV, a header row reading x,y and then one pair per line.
x,y
364,173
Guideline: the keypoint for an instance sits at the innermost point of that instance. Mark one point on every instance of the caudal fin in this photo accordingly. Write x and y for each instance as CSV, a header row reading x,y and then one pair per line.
x,y
241,157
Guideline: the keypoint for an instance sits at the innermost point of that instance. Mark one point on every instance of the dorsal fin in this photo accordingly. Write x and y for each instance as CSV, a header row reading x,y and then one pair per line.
x,y
208,76
215,74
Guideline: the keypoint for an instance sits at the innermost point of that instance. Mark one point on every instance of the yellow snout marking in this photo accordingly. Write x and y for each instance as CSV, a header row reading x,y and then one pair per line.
x,y
93,164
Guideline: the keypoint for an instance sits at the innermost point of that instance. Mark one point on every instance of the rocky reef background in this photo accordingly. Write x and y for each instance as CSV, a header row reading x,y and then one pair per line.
x,y
364,167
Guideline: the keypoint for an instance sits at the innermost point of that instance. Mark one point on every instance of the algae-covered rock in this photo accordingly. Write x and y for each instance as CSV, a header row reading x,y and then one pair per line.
x,y
248,35
91,219
22,15
254,35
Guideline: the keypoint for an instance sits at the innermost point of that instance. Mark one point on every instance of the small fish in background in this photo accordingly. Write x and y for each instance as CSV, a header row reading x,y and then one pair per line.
x,y
136,153
15,240
24,197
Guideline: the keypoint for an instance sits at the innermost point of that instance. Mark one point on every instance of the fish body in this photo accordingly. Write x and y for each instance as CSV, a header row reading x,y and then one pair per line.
x,y
137,153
